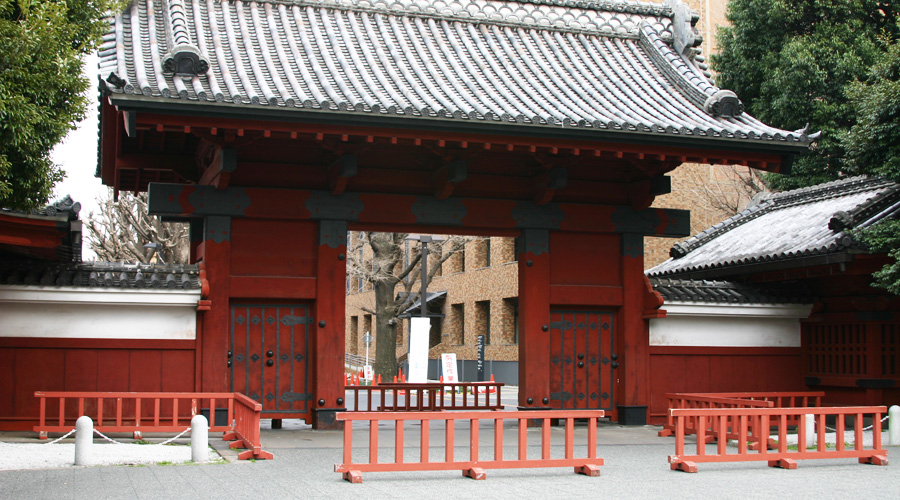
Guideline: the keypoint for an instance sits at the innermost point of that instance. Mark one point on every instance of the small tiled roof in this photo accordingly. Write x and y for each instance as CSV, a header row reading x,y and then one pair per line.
x,y
63,209
609,66
727,292
63,214
102,275
810,224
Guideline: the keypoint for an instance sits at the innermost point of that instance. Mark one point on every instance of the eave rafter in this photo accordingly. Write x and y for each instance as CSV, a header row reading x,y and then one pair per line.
x,y
342,136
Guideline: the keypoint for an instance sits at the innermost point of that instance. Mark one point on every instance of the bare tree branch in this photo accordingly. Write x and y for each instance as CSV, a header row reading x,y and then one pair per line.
x,y
119,232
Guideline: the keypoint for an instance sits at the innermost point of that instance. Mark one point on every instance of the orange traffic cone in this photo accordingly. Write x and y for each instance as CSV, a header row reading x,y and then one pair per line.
x,y
395,379
402,377
492,389
379,380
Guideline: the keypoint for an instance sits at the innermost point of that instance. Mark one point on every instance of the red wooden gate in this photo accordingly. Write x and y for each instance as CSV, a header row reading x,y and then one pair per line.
x,y
269,357
582,360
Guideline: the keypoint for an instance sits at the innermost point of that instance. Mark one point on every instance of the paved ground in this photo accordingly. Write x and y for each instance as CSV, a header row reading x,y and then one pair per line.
x,y
635,467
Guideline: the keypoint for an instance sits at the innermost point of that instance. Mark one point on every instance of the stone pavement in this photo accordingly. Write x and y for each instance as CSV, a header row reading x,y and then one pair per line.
x,y
635,467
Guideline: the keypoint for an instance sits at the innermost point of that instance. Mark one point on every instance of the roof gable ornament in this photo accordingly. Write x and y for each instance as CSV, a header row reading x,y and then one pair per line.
x,y
183,58
724,103
683,21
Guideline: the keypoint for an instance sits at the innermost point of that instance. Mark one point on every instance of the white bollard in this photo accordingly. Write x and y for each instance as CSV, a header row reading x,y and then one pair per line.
x,y
84,440
199,439
894,425
810,423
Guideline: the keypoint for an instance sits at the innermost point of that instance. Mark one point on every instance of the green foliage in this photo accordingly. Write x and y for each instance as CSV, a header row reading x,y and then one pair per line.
x,y
792,62
873,143
885,237
42,90
873,146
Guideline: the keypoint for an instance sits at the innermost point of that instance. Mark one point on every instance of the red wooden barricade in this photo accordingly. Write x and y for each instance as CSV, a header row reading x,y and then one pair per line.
x,y
246,429
134,412
473,467
426,396
685,400
736,400
140,412
779,417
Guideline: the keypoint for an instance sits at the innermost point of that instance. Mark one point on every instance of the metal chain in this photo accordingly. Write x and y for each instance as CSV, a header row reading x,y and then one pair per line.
x,y
61,438
111,440
105,437
174,438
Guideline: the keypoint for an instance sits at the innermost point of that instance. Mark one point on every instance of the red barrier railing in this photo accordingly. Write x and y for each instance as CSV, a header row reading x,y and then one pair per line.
x,y
140,412
425,396
736,400
246,429
473,467
764,418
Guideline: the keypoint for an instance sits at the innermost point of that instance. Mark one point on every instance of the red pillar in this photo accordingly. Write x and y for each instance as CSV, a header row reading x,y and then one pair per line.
x,y
328,345
534,316
215,251
634,349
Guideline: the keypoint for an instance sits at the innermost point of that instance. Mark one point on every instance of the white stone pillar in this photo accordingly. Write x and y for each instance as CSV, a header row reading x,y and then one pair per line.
x,y
894,425
810,423
84,440
200,438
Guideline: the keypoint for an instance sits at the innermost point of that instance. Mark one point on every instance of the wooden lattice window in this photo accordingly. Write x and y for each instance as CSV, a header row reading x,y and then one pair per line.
x,y
837,349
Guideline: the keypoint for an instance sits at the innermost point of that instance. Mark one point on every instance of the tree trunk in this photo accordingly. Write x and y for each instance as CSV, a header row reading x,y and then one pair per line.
x,y
385,330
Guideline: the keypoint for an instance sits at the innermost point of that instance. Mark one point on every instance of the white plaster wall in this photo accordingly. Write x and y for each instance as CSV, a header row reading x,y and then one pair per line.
x,y
88,313
717,325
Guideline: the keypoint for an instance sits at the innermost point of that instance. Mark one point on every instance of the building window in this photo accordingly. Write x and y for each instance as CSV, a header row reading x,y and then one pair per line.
x,y
483,320
457,324
487,252
367,325
509,319
353,341
434,334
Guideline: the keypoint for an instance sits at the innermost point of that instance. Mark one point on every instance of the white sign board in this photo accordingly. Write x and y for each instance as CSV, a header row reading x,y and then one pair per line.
x,y
418,350
368,373
448,367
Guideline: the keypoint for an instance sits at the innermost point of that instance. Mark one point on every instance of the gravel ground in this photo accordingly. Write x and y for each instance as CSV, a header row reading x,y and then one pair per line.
x,y
20,456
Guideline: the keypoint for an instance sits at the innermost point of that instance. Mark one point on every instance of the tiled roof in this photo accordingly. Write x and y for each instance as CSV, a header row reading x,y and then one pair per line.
x,y
801,224
64,215
102,275
64,209
727,292
593,65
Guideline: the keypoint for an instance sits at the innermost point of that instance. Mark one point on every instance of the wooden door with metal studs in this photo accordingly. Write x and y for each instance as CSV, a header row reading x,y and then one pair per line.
x,y
268,357
582,359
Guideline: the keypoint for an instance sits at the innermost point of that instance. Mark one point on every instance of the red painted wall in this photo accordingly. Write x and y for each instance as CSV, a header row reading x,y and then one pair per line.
x,y
27,366
720,369
585,259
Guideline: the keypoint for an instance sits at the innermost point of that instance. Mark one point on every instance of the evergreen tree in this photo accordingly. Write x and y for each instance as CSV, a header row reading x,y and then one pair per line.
x,y
793,62
42,90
